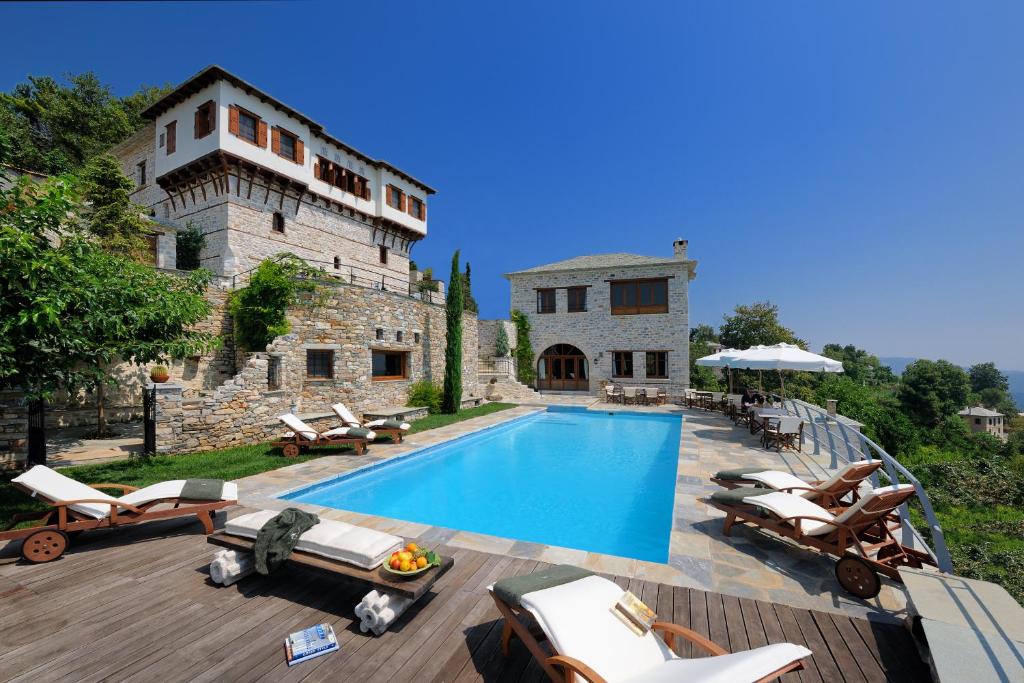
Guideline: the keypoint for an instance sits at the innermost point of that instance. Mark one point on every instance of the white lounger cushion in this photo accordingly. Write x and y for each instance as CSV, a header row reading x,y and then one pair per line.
x,y
359,546
346,415
54,486
577,619
779,480
787,505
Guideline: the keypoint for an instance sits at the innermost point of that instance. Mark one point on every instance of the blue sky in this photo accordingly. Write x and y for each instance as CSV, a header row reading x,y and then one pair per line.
x,y
859,164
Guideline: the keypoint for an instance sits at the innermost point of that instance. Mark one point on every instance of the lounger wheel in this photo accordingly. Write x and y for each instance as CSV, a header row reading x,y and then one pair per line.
x,y
291,451
44,545
858,577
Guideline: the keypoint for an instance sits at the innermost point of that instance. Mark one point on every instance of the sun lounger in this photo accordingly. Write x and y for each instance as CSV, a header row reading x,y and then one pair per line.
x,y
76,507
303,436
860,536
586,641
393,428
829,492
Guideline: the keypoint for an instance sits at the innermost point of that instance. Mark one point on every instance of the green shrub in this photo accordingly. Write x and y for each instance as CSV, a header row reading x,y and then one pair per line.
x,y
524,350
260,310
190,243
425,393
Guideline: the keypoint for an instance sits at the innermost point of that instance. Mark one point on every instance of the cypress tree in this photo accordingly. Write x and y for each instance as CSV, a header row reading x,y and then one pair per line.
x,y
451,400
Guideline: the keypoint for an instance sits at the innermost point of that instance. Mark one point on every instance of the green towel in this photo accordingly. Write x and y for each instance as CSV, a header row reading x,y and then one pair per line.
x,y
277,538
392,424
737,474
202,489
358,432
512,589
736,496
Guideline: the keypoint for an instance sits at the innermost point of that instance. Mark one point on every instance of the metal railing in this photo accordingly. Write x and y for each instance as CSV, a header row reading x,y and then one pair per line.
x,y
384,281
846,444
497,366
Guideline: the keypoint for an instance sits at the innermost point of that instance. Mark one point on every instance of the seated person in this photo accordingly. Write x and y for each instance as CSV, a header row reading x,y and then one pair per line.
x,y
750,397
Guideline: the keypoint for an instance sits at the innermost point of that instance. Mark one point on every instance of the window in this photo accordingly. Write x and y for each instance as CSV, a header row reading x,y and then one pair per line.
x,y
319,363
161,143
657,364
389,364
247,126
399,336
278,223
326,170
577,299
172,136
630,297
622,363
396,198
416,208
415,337
337,263
380,334
383,253
206,119
977,420
140,172
274,373
545,301
288,145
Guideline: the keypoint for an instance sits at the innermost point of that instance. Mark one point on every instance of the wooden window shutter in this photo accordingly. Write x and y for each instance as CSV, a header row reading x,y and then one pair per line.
x,y
316,169
261,134
366,191
200,123
391,195
172,137
233,120
300,152
401,200
423,211
275,141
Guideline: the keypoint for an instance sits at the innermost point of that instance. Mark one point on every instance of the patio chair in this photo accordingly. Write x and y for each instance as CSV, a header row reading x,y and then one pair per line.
x,y
75,507
303,436
829,492
661,397
734,405
586,641
785,431
612,393
382,427
716,401
860,536
629,395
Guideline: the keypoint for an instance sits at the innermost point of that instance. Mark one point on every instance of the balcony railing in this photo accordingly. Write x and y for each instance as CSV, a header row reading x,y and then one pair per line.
x,y
844,444
497,366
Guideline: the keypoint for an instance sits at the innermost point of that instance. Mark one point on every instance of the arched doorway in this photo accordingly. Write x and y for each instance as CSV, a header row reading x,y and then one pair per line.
x,y
563,367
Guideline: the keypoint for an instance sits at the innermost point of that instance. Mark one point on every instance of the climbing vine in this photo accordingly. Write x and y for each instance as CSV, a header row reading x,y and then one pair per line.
x,y
523,351
260,310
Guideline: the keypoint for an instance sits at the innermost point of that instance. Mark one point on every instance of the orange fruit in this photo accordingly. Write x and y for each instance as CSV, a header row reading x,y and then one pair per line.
x,y
421,562
412,547
405,566
405,556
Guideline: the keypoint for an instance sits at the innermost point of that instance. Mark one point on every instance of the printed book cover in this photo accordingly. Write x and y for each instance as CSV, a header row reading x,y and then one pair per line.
x,y
310,643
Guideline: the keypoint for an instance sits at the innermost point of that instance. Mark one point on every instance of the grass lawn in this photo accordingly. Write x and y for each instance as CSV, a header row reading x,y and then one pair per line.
x,y
227,464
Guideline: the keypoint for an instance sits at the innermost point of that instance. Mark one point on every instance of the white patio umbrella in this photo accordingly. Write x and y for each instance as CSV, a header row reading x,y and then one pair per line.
x,y
781,357
717,360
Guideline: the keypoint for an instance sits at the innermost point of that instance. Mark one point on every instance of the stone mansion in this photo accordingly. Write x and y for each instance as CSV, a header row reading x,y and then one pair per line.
x,y
619,318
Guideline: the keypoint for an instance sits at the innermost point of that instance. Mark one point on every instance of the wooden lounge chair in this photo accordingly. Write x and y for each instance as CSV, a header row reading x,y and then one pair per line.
x,y
828,492
586,641
393,428
303,436
786,430
860,536
76,507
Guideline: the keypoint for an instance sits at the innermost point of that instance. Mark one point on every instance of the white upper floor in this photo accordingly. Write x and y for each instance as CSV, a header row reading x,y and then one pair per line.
x,y
217,111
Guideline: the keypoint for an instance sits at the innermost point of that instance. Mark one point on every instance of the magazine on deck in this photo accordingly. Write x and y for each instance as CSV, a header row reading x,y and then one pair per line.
x,y
634,614
310,643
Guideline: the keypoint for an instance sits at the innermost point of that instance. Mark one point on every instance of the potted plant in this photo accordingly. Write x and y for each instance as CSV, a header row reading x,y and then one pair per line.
x,y
159,374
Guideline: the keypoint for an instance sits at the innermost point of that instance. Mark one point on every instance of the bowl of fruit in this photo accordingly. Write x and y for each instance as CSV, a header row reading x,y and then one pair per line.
x,y
411,561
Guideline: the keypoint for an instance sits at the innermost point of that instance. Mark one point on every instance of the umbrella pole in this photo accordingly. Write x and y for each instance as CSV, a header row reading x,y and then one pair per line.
x,y
760,382
729,371
782,383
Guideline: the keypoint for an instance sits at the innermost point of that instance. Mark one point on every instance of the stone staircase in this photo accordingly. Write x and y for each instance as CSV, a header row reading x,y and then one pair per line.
x,y
508,388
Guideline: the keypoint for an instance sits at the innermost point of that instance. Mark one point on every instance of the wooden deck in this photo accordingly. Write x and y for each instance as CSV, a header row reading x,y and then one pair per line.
x,y
138,606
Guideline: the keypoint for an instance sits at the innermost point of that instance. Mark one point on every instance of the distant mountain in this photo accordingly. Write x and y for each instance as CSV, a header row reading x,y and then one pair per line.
x,y
1015,377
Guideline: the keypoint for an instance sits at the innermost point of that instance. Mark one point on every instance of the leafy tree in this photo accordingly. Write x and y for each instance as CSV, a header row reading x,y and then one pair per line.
x,y
68,309
701,377
501,343
703,333
987,376
56,127
524,349
754,324
189,245
931,391
260,310
451,400
113,217
859,365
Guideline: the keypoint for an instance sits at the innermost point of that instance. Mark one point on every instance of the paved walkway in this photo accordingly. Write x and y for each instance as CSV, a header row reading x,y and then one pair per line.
x,y
66,447
750,564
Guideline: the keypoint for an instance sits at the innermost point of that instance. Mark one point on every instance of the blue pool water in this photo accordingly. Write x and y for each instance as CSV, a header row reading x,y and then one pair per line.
x,y
593,481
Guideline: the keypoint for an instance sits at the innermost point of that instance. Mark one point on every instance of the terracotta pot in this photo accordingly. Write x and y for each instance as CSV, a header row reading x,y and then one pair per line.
x,y
159,375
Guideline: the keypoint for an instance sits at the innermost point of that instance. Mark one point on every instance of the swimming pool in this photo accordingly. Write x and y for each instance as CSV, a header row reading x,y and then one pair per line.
x,y
602,482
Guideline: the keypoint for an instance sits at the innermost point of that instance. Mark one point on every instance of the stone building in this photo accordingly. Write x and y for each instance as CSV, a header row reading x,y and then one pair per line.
x,y
981,419
619,318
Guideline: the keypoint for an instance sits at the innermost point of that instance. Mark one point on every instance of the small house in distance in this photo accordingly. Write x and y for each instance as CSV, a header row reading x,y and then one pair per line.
x,y
619,318
981,419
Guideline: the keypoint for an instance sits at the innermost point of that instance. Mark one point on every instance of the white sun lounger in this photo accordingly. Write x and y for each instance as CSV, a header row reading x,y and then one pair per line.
x,y
356,545
587,638
348,419
303,436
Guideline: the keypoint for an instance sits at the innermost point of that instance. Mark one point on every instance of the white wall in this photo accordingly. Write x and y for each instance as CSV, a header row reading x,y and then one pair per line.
x,y
187,148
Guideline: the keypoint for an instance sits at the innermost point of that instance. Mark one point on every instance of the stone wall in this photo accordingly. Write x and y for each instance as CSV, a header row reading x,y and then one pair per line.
x,y
597,333
244,409
488,331
13,428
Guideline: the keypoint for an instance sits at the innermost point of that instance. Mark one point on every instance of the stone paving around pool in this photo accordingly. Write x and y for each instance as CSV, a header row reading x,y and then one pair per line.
x,y
750,563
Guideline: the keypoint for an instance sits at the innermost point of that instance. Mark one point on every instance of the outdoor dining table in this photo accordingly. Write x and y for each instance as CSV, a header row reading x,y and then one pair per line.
x,y
760,415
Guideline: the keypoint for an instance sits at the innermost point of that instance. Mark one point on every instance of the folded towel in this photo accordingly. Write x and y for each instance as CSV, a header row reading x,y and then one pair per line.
x,y
394,424
278,536
217,570
736,496
739,473
202,489
358,432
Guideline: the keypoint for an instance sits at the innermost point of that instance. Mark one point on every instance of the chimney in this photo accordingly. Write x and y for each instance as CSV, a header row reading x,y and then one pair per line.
x,y
679,248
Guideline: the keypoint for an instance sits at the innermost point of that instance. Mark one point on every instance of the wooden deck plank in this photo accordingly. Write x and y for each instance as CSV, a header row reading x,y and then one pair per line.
x,y
837,646
716,619
791,633
812,638
752,623
699,618
866,659
773,632
734,624
681,616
